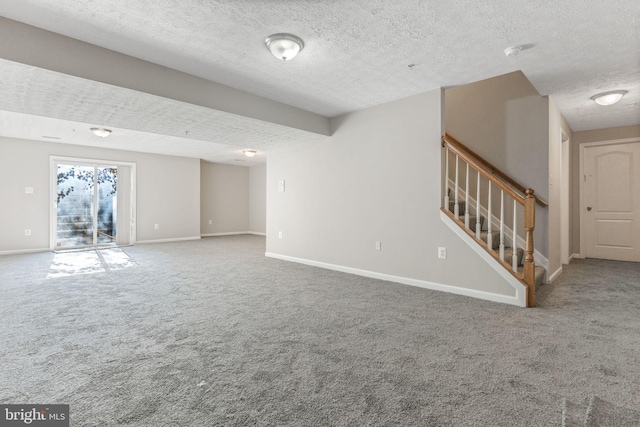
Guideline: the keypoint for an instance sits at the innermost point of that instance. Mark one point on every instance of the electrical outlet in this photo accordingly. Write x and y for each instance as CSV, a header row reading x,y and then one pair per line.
x,y
157,226
28,190
210,221
378,246
27,232
279,234
442,253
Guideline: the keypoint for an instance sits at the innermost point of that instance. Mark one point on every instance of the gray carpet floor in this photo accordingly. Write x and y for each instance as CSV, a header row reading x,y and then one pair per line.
x,y
212,333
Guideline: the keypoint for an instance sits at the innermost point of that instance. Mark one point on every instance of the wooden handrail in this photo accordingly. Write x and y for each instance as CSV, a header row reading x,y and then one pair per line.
x,y
507,189
479,162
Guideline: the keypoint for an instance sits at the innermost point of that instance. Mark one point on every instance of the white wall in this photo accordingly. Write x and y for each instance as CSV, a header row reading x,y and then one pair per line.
x,y
224,198
505,120
258,198
168,192
376,179
557,126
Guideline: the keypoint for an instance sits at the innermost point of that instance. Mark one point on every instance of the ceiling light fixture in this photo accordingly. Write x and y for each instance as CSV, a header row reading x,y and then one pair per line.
x,y
609,98
101,132
249,153
513,50
284,46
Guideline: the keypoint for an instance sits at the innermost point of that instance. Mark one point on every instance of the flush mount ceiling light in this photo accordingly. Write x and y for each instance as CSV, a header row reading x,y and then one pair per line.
x,y
249,153
101,132
513,50
284,46
609,98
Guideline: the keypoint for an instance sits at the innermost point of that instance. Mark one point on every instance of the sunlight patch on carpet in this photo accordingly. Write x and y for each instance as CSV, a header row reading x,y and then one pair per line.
x,y
88,262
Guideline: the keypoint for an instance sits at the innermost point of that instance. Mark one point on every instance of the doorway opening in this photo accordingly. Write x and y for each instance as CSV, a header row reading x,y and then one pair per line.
x,y
92,204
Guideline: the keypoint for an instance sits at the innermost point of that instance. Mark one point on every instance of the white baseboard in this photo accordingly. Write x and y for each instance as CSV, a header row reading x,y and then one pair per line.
x,y
555,275
233,233
576,256
404,280
177,239
25,251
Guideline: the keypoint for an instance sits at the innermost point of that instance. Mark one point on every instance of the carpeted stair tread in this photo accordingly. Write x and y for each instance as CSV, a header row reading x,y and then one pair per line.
x,y
540,272
508,253
495,239
461,207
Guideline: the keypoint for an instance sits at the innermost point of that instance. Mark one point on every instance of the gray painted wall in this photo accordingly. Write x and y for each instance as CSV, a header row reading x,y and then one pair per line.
x,y
505,120
168,192
258,199
224,198
376,179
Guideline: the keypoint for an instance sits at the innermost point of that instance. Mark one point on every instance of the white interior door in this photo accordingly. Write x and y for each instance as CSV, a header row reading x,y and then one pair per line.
x,y
612,201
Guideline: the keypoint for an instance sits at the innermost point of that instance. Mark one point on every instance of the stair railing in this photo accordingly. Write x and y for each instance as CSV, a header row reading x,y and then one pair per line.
x,y
508,187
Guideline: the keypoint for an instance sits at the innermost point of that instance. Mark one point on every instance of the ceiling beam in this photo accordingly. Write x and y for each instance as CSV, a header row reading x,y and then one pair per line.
x,y
33,46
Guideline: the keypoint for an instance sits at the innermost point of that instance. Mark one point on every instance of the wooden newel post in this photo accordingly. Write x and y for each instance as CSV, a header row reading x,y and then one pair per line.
x,y
529,265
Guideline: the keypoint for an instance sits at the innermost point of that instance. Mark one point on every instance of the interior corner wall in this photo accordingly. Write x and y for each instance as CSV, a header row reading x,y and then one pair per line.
x,y
583,137
557,127
377,178
167,192
258,199
224,198
505,120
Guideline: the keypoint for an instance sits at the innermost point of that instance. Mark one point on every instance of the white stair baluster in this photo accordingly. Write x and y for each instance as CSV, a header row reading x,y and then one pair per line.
x,y
466,200
478,209
456,206
514,241
501,225
489,237
446,177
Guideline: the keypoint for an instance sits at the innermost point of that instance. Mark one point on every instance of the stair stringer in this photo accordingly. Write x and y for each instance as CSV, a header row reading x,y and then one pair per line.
x,y
538,258
520,298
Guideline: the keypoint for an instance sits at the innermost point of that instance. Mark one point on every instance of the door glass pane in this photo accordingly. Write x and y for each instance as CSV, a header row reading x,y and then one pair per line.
x,y
107,204
75,206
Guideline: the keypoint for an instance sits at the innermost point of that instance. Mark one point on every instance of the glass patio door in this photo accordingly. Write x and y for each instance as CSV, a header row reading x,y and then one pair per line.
x,y
86,205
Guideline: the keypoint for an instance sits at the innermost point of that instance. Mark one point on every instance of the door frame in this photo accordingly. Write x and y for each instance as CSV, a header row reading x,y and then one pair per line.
x,y
53,188
583,203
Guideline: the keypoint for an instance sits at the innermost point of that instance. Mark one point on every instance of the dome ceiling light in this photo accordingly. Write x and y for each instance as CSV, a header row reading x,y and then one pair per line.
x,y
284,46
513,50
249,153
101,132
609,98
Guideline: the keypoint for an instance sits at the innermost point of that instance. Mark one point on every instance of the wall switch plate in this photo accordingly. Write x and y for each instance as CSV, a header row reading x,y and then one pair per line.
x,y
210,221
378,246
442,253
27,232
28,190
279,234
157,226
281,185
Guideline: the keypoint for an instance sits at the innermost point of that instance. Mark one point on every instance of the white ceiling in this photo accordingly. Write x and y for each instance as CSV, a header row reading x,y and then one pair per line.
x,y
357,54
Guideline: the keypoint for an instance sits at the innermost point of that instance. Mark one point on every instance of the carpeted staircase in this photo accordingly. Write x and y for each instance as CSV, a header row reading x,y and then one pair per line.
x,y
495,240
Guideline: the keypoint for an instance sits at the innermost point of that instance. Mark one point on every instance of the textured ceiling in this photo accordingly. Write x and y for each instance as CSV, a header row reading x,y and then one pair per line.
x,y
356,52
37,96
